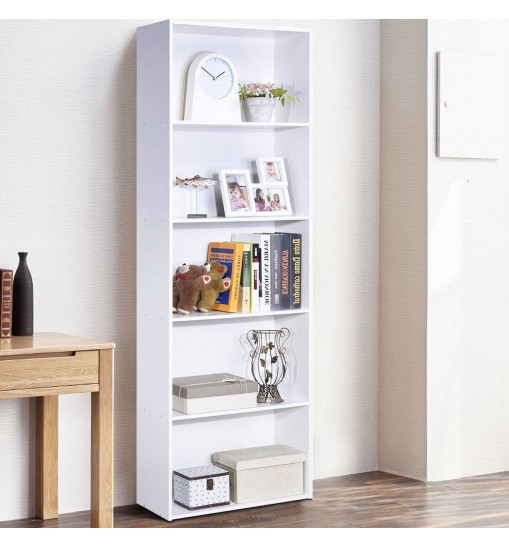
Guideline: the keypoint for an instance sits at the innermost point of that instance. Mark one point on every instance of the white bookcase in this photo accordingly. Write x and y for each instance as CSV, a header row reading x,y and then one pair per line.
x,y
172,346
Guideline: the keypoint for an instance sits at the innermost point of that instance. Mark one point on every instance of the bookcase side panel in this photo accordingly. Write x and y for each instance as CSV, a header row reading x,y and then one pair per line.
x,y
153,270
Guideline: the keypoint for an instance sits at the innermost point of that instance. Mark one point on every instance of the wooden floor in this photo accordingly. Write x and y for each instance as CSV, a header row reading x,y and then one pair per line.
x,y
373,499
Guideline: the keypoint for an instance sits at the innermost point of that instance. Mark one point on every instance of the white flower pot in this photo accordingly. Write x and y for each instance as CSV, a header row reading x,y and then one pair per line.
x,y
259,109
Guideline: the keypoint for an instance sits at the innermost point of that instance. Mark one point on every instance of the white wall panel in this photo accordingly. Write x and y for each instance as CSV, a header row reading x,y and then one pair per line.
x,y
468,299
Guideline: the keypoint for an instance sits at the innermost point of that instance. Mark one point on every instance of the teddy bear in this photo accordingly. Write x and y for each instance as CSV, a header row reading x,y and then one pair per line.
x,y
188,280
209,293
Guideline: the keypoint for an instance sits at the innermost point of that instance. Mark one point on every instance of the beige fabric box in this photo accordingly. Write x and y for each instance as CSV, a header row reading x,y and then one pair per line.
x,y
261,473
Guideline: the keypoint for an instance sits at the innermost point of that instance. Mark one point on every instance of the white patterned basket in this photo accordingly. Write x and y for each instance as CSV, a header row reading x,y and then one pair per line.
x,y
201,487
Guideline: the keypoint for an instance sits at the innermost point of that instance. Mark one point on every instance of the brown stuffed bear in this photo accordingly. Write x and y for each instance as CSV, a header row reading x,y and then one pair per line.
x,y
208,294
188,280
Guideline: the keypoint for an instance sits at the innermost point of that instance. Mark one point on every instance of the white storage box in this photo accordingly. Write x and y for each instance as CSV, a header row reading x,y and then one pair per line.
x,y
201,487
216,392
260,473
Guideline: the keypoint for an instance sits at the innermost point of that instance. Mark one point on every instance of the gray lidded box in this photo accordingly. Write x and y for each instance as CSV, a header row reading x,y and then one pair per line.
x,y
201,487
213,392
261,473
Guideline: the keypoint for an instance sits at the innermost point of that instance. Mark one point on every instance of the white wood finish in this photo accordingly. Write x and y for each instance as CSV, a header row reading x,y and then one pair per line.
x,y
167,347
153,468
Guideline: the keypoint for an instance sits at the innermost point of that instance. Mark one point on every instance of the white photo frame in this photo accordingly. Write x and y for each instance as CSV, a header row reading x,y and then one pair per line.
x,y
235,190
271,170
270,200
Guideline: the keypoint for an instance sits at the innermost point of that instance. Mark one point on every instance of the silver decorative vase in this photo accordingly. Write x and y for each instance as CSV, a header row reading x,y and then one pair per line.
x,y
259,109
268,361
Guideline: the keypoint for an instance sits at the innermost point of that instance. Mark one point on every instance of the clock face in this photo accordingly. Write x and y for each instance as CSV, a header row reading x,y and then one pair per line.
x,y
216,78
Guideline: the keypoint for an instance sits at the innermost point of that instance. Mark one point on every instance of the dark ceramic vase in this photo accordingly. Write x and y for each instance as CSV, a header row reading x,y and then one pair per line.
x,y
23,299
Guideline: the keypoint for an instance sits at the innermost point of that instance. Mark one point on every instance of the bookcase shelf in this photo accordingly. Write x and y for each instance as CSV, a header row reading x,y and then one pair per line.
x,y
260,408
170,345
236,316
181,513
223,220
239,126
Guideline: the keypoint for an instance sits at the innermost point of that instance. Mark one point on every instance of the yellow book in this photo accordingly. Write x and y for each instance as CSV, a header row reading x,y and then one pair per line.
x,y
230,254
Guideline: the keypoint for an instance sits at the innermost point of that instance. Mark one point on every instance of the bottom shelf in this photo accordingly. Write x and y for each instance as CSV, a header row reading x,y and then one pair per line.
x,y
178,512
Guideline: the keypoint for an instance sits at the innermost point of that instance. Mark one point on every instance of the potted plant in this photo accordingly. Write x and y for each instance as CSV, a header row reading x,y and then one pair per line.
x,y
260,99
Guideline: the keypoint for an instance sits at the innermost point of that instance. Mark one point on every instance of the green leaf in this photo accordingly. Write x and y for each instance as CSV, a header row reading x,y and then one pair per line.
x,y
262,362
274,359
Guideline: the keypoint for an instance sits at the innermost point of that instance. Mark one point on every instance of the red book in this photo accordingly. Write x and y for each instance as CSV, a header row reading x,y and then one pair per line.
x,y
5,302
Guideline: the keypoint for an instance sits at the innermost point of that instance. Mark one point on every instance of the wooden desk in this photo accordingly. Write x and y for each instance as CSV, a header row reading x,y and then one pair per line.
x,y
45,366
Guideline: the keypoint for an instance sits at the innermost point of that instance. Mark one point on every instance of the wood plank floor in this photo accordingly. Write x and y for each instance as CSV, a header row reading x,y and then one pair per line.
x,y
373,499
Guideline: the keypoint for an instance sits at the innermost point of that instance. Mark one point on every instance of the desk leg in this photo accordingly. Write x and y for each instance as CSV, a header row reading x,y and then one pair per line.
x,y
47,457
102,445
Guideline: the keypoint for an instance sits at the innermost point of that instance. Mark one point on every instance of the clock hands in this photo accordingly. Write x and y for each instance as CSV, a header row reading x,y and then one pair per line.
x,y
208,73
213,77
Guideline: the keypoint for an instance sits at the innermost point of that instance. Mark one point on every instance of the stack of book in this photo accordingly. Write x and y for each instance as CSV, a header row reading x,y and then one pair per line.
x,y
265,270
5,302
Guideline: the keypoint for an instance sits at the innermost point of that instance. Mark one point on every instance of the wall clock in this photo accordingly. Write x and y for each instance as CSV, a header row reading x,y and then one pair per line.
x,y
212,90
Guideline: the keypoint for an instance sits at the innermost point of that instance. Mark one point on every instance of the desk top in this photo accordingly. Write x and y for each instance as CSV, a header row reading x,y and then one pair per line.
x,y
39,343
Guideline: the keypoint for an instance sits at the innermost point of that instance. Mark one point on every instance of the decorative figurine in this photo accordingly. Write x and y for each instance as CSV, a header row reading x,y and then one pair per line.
x,y
195,183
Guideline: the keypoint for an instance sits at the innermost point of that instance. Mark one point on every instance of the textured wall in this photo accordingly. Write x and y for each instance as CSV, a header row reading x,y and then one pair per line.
x,y
346,178
403,248
67,180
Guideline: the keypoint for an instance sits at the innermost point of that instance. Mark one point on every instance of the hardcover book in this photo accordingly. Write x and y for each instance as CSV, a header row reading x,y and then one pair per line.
x,y
285,270
5,302
295,274
256,288
275,271
245,280
230,254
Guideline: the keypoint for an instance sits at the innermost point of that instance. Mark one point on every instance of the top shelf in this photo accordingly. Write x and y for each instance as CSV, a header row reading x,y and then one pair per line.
x,y
184,124
230,30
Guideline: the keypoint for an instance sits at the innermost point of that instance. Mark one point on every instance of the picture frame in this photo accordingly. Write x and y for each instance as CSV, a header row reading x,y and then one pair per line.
x,y
271,170
270,200
235,191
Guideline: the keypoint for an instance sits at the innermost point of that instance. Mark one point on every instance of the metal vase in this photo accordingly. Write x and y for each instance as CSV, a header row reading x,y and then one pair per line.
x,y
22,299
268,361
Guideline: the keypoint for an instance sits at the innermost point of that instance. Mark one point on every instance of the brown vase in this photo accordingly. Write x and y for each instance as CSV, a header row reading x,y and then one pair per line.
x,y
22,299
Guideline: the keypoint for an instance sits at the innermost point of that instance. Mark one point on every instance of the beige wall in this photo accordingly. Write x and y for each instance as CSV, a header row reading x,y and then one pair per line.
x,y
403,248
67,176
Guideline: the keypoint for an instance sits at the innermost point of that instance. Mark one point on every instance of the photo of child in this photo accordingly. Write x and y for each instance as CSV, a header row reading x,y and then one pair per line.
x,y
271,170
275,202
261,203
234,191
272,174
236,200
272,200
